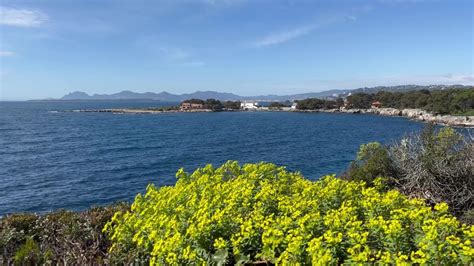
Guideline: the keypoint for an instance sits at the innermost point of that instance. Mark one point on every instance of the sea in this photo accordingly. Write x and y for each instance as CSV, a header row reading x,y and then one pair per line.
x,y
53,159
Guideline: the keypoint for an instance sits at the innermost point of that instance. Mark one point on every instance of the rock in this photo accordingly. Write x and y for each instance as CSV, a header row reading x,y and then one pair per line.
x,y
422,115
387,111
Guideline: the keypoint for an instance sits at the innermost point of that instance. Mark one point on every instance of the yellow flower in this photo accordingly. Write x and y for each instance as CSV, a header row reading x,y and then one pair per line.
x,y
264,212
441,207
220,243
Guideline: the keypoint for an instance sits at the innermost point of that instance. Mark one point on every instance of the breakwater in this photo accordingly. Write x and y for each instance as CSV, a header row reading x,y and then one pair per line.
x,y
137,111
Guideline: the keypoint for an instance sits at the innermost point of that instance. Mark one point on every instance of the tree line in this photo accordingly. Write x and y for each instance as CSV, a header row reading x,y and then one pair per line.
x,y
215,105
449,101
316,103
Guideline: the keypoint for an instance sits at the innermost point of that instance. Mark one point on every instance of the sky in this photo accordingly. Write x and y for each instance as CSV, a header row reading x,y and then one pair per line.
x,y
49,48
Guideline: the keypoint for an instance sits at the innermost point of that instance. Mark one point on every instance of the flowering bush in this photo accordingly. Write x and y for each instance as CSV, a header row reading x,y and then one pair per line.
x,y
263,213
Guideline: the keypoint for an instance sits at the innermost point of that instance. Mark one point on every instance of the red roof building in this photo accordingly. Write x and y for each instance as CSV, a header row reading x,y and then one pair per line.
x,y
376,104
190,106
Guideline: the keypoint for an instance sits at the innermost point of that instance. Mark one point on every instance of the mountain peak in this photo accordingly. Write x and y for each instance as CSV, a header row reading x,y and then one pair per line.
x,y
76,95
226,96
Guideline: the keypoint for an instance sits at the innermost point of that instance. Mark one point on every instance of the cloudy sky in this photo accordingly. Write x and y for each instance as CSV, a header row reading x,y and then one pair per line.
x,y
51,47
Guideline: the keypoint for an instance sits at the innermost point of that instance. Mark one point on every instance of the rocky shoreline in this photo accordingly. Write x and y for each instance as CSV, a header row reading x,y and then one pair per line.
x,y
414,114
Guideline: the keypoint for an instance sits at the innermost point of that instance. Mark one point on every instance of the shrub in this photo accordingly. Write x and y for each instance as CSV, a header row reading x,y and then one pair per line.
x,y
57,237
468,217
260,213
437,166
372,161
28,253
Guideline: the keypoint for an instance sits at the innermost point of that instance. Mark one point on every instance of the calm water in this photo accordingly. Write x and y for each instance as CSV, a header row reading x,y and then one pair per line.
x,y
69,160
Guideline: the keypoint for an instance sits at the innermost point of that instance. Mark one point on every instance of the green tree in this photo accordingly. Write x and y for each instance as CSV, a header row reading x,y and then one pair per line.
x,y
372,161
232,105
360,100
213,104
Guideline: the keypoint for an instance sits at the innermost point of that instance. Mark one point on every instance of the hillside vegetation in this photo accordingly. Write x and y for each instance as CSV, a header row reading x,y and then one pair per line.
x,y
449,101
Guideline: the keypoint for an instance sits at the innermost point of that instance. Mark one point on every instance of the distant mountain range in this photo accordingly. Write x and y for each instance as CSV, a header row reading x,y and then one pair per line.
x,y
169,97
223,96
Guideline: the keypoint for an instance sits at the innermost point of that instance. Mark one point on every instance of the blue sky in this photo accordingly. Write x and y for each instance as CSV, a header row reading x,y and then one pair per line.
x,y
50,48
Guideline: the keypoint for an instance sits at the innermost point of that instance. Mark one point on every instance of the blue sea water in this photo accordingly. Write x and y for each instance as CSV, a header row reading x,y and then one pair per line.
x,y
51,160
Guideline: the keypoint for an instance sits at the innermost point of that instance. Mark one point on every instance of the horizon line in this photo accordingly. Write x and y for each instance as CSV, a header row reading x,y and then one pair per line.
x,y
215,91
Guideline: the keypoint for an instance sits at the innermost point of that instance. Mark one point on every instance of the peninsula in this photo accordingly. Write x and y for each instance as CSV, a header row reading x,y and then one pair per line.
x,y
453,107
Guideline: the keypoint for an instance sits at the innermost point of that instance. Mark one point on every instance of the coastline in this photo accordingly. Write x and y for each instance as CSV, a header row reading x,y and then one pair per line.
x,y
413,114
137,111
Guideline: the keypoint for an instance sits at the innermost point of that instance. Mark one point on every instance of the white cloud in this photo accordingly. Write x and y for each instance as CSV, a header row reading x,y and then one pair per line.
x,y
6,53
290,34
21,17
284,36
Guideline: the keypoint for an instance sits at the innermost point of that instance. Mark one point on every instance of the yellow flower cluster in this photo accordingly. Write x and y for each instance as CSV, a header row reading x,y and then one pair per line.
x,y
261,212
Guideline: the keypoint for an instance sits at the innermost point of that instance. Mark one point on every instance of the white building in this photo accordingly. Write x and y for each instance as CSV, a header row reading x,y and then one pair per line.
x,y
294,105
249,106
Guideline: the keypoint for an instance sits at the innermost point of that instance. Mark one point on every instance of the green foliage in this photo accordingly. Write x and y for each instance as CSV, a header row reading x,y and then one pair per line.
x,y
231,105
437,166
278,105
372,161
434,165
14,230
61,236
215,105
315,103
163,108
262,213
360,100
463,101
450,101
468,217
197,101
28,253
23,222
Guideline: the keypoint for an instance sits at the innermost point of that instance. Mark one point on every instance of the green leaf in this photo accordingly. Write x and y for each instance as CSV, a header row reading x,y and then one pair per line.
x,y
241,259
220,257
